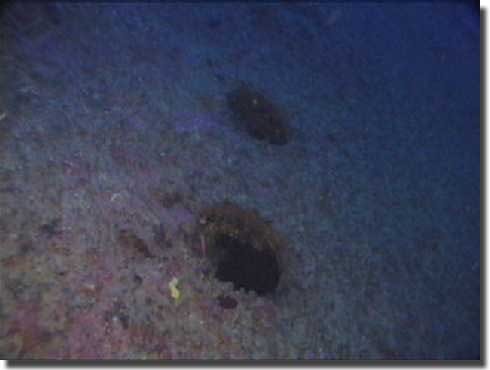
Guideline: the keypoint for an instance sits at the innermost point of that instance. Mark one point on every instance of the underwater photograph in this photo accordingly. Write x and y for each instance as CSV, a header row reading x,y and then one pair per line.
x,y
240,181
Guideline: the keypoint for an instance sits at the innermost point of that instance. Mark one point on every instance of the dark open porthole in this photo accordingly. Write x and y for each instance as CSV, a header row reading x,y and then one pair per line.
x,y
245,266
258,116
242,248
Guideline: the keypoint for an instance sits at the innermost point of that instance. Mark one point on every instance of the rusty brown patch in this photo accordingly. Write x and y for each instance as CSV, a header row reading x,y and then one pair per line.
x,y
134,245
245,224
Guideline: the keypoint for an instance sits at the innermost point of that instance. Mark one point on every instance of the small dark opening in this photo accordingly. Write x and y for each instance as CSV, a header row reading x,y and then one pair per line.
x,y
245,266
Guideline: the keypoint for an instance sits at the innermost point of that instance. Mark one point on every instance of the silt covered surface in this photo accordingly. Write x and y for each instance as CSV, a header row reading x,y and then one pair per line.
x,y
355,147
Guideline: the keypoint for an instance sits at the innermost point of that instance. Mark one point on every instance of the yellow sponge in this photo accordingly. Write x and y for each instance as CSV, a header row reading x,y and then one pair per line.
x,y
174,291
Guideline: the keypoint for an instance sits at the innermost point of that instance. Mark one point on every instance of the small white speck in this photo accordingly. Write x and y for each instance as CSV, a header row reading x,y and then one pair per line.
x,y
115,196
